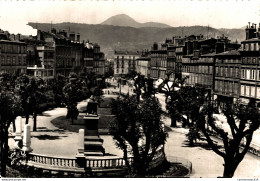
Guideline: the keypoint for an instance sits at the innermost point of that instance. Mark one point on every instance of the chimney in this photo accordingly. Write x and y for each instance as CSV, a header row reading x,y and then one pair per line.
x,y
72,36
18,37
53,30
78,37
250,31
12,37
39,35
155,46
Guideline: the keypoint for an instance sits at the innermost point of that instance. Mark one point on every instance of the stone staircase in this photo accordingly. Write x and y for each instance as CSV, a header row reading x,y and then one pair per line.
x,y
93,144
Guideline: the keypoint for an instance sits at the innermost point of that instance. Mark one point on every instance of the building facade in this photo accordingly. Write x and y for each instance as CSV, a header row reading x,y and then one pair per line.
x,y
250,65
13,55
227,76
125,62
143,64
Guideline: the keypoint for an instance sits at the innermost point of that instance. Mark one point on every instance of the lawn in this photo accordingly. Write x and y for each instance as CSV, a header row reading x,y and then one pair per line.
x,y
104,112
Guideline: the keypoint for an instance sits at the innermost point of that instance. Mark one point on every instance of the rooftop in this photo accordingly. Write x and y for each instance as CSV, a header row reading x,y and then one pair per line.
x,y
126,52
229,53
251,40
12,41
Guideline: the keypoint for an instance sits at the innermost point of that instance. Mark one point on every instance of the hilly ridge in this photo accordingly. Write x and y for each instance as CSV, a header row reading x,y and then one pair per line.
x,y
125,20
111,37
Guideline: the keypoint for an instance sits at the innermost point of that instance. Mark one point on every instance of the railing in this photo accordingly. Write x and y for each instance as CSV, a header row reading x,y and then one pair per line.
x,y
49,161
62,164
107,163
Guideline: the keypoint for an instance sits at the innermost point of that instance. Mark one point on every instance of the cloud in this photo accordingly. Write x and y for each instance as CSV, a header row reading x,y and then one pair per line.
x,y
16,26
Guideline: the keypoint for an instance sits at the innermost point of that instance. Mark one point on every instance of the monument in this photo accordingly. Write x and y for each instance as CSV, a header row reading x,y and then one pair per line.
x,y
93,144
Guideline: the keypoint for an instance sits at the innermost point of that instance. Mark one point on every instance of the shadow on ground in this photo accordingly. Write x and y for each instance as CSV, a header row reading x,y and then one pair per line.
x,y
200,144
48,137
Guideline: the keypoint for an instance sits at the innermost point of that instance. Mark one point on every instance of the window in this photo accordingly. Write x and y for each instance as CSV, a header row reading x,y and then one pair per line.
x,y
232,72
243,74
13,60
217,71
8,60
227,87
258,92
237,72
249,60
242,87
247,91
247,74
235,88
24,60
227,72
246,45
253,74
244,61
19,60
252,91
123,61
3,60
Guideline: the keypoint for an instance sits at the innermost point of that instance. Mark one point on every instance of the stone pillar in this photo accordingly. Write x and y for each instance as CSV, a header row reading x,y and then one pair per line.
x,y
27,138
80,157
81,142
18,134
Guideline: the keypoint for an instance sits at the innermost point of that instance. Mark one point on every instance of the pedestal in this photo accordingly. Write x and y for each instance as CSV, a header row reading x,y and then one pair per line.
x,y
27,138
93,144
80,157
18,134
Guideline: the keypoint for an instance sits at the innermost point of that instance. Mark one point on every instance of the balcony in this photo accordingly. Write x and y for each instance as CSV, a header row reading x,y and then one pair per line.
x,y
35,67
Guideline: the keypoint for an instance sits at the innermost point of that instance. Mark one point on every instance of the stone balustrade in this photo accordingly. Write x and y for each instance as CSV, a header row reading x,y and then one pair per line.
x,y
51,161
93,165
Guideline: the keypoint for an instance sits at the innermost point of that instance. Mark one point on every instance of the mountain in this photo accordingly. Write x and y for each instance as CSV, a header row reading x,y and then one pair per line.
x,y
125,20
120,37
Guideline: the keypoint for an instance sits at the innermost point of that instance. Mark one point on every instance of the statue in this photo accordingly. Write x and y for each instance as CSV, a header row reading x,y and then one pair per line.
x,y
92,106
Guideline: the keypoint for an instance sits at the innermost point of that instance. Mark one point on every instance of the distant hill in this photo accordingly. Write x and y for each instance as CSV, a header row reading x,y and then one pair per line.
x,y
121,37
125,20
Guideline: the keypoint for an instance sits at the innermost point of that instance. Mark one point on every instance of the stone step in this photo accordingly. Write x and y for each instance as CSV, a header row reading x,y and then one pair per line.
x,y
93,153
92,138
91,132
93,143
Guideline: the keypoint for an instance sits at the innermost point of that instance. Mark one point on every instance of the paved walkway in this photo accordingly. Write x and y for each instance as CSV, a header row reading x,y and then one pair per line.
x,y
49,140
205,162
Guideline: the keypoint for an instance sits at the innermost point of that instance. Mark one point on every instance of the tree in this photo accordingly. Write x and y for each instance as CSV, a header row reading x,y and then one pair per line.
x,y
10,108
31,90
173,98
243,120
7,83
57,88
72,91
143,87
138,130
98,94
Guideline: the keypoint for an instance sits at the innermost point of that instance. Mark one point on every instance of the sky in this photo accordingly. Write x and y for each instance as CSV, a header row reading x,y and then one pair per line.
x,y
14,15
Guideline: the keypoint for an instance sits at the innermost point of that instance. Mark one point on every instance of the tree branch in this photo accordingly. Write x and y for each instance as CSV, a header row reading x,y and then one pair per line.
x,y
248,142
213,146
